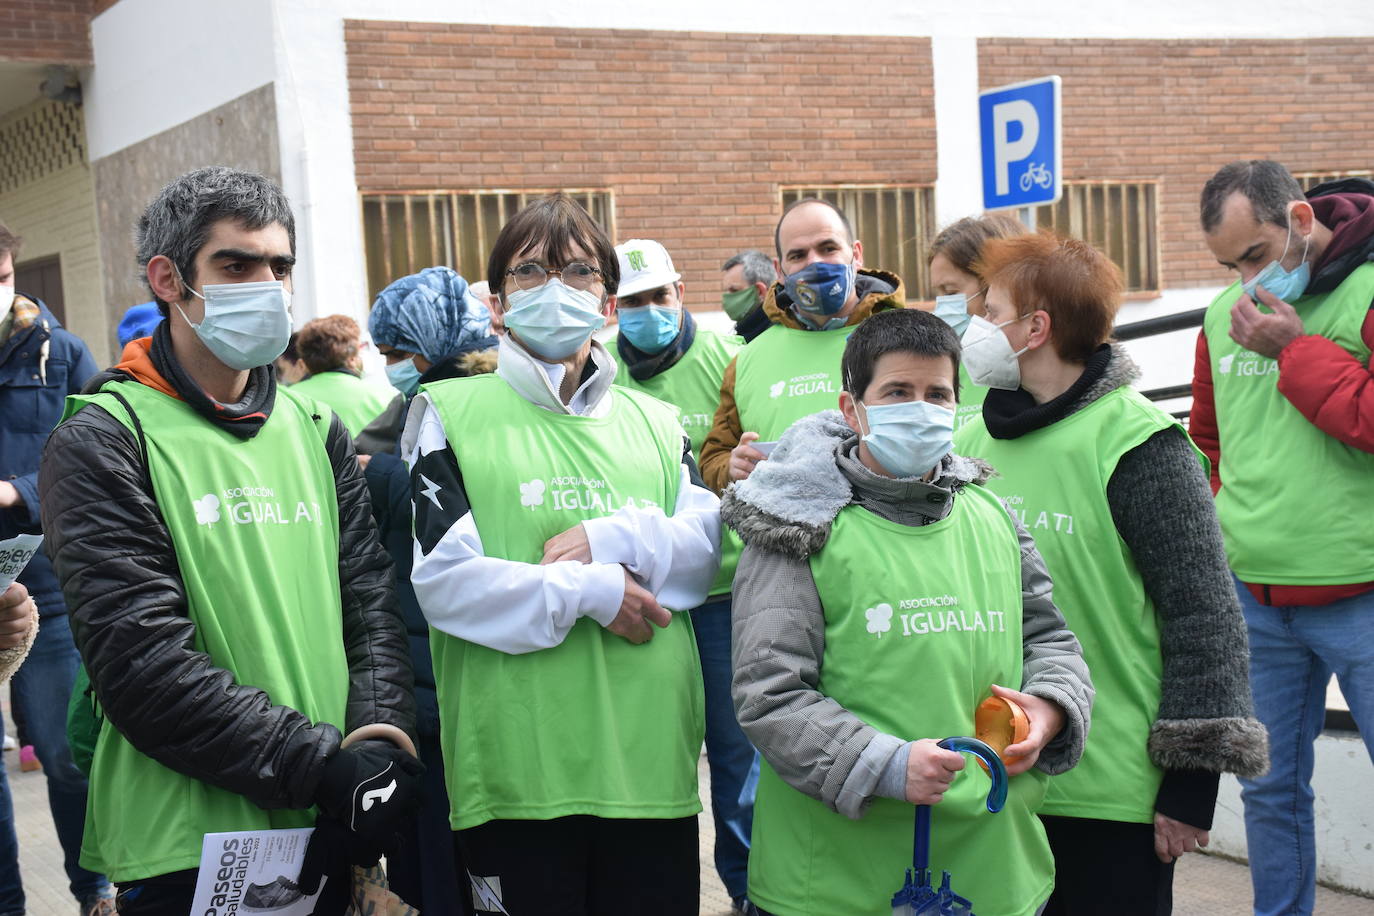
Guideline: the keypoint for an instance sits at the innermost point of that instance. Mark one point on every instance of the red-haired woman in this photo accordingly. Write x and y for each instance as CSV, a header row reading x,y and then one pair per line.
x,y
1117,499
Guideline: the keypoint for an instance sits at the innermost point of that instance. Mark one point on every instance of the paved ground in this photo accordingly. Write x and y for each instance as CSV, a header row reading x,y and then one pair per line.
x,y
1205,886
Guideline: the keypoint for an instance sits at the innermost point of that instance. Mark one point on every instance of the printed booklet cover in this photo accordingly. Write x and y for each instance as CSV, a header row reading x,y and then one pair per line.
x,y
15,554
253,871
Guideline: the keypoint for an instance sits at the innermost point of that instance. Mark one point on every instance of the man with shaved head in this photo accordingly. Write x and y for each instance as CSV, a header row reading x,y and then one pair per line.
x,y
1284,407
792,369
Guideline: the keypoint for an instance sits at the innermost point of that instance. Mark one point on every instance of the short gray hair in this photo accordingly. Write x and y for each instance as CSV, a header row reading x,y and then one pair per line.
x,y
758,267
177,223
1266,184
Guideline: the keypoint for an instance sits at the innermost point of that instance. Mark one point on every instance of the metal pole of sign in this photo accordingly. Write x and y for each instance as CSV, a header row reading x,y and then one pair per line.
x,y
1027,215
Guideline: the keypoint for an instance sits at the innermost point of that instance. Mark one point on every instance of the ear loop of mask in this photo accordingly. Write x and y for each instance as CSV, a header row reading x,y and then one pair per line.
x,y
186,286
1306,243
849,386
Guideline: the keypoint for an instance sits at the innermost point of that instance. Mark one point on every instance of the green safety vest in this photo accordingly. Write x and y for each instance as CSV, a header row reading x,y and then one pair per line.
x,y
911,648
594,725
1280,530
692,385
357,402
255,527
1055,480
785,374
782,375
971,399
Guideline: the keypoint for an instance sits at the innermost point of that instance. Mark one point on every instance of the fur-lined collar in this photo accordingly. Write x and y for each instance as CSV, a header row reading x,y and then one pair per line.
x,y
790,501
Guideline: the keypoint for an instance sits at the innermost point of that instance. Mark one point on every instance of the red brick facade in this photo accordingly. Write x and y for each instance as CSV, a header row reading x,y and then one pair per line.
x,y
693,131
46,31
1176,111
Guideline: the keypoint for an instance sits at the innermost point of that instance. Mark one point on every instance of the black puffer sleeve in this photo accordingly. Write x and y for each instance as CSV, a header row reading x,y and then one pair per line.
x,y
114,558
381,684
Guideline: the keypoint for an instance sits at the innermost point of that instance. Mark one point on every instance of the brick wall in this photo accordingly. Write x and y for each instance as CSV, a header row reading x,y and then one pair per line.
x,y
1176,111
694,131
46,31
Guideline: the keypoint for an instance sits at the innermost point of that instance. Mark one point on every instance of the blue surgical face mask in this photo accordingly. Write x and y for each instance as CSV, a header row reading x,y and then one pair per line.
x,y
554,320
650,327
910,438
246,325
1285,284
953,310
821,287
404,376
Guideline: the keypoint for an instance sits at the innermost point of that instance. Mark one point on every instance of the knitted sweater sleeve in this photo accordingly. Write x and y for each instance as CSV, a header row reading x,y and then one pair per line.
x,y
1162,506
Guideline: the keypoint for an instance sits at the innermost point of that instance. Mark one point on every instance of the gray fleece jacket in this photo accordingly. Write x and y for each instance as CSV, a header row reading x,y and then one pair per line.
x,y
783,513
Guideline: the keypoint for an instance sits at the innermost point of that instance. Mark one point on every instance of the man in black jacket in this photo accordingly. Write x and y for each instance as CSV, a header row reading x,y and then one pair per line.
x,y
228,593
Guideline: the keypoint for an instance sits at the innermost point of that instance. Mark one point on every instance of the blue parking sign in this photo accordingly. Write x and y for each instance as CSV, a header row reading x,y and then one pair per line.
x,y
1019,130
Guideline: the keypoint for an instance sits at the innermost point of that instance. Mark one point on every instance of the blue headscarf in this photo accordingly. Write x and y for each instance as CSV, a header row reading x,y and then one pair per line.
x,y
430,313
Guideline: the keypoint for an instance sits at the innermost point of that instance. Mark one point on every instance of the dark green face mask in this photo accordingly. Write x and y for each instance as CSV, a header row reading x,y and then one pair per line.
x,y
738,303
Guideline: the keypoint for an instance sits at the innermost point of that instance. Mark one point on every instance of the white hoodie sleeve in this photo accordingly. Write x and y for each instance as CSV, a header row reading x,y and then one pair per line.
x,y
677,556
502,604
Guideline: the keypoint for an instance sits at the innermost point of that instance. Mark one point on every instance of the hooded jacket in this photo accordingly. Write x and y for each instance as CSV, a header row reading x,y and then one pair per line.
x,y
39,366
878,291
1328,385
122,581
784,513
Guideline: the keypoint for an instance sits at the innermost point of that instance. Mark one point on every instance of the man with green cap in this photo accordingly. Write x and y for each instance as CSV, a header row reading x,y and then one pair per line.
x,y
662,351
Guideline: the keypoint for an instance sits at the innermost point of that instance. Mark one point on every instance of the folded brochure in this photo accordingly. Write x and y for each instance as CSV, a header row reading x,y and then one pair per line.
x,y
15,554
253,871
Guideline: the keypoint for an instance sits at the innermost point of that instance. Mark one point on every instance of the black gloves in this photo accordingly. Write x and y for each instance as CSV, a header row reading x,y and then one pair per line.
x,y
371,787
368,791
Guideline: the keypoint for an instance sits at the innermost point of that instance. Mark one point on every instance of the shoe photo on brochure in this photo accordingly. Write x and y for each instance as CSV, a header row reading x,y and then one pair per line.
x,y
273,896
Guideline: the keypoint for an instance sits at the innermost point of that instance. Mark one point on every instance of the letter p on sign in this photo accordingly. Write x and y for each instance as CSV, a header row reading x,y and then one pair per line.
x,y
1019,131
1006,150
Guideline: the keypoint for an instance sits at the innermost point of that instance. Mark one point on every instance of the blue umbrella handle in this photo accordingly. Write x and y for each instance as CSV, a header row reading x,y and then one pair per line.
x,y
997,795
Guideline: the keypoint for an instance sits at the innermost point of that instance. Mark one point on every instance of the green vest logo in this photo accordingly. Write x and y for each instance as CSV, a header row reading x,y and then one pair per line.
x,y
1250,364
879,619
532,493
934,614
251,505
207,509
802,385
576,494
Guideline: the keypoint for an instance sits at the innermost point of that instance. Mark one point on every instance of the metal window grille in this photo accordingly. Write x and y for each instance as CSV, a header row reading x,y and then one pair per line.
x,y
1119,218
407,231
1309,180
895,224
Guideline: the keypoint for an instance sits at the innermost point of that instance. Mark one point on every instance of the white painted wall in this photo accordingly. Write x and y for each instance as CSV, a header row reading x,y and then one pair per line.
x,y
1344,815
161,62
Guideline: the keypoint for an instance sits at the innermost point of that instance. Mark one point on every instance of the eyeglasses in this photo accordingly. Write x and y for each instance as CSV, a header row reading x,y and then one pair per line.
x,y
576,274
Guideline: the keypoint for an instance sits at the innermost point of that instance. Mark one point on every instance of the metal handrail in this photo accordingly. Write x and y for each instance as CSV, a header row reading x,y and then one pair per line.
x,y
1162,325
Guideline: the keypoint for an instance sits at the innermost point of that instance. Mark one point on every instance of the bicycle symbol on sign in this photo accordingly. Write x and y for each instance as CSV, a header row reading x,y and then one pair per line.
x,y
1039,174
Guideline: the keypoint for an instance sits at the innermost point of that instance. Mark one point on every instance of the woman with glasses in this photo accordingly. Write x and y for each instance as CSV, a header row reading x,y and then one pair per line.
x,y
559,519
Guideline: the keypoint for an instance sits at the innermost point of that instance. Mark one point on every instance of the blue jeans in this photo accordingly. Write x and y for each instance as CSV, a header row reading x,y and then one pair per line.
x,y
43,687
1293,653
730,756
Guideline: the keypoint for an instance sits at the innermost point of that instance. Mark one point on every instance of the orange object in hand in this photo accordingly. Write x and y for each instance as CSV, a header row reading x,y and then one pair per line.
x,y
999,724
